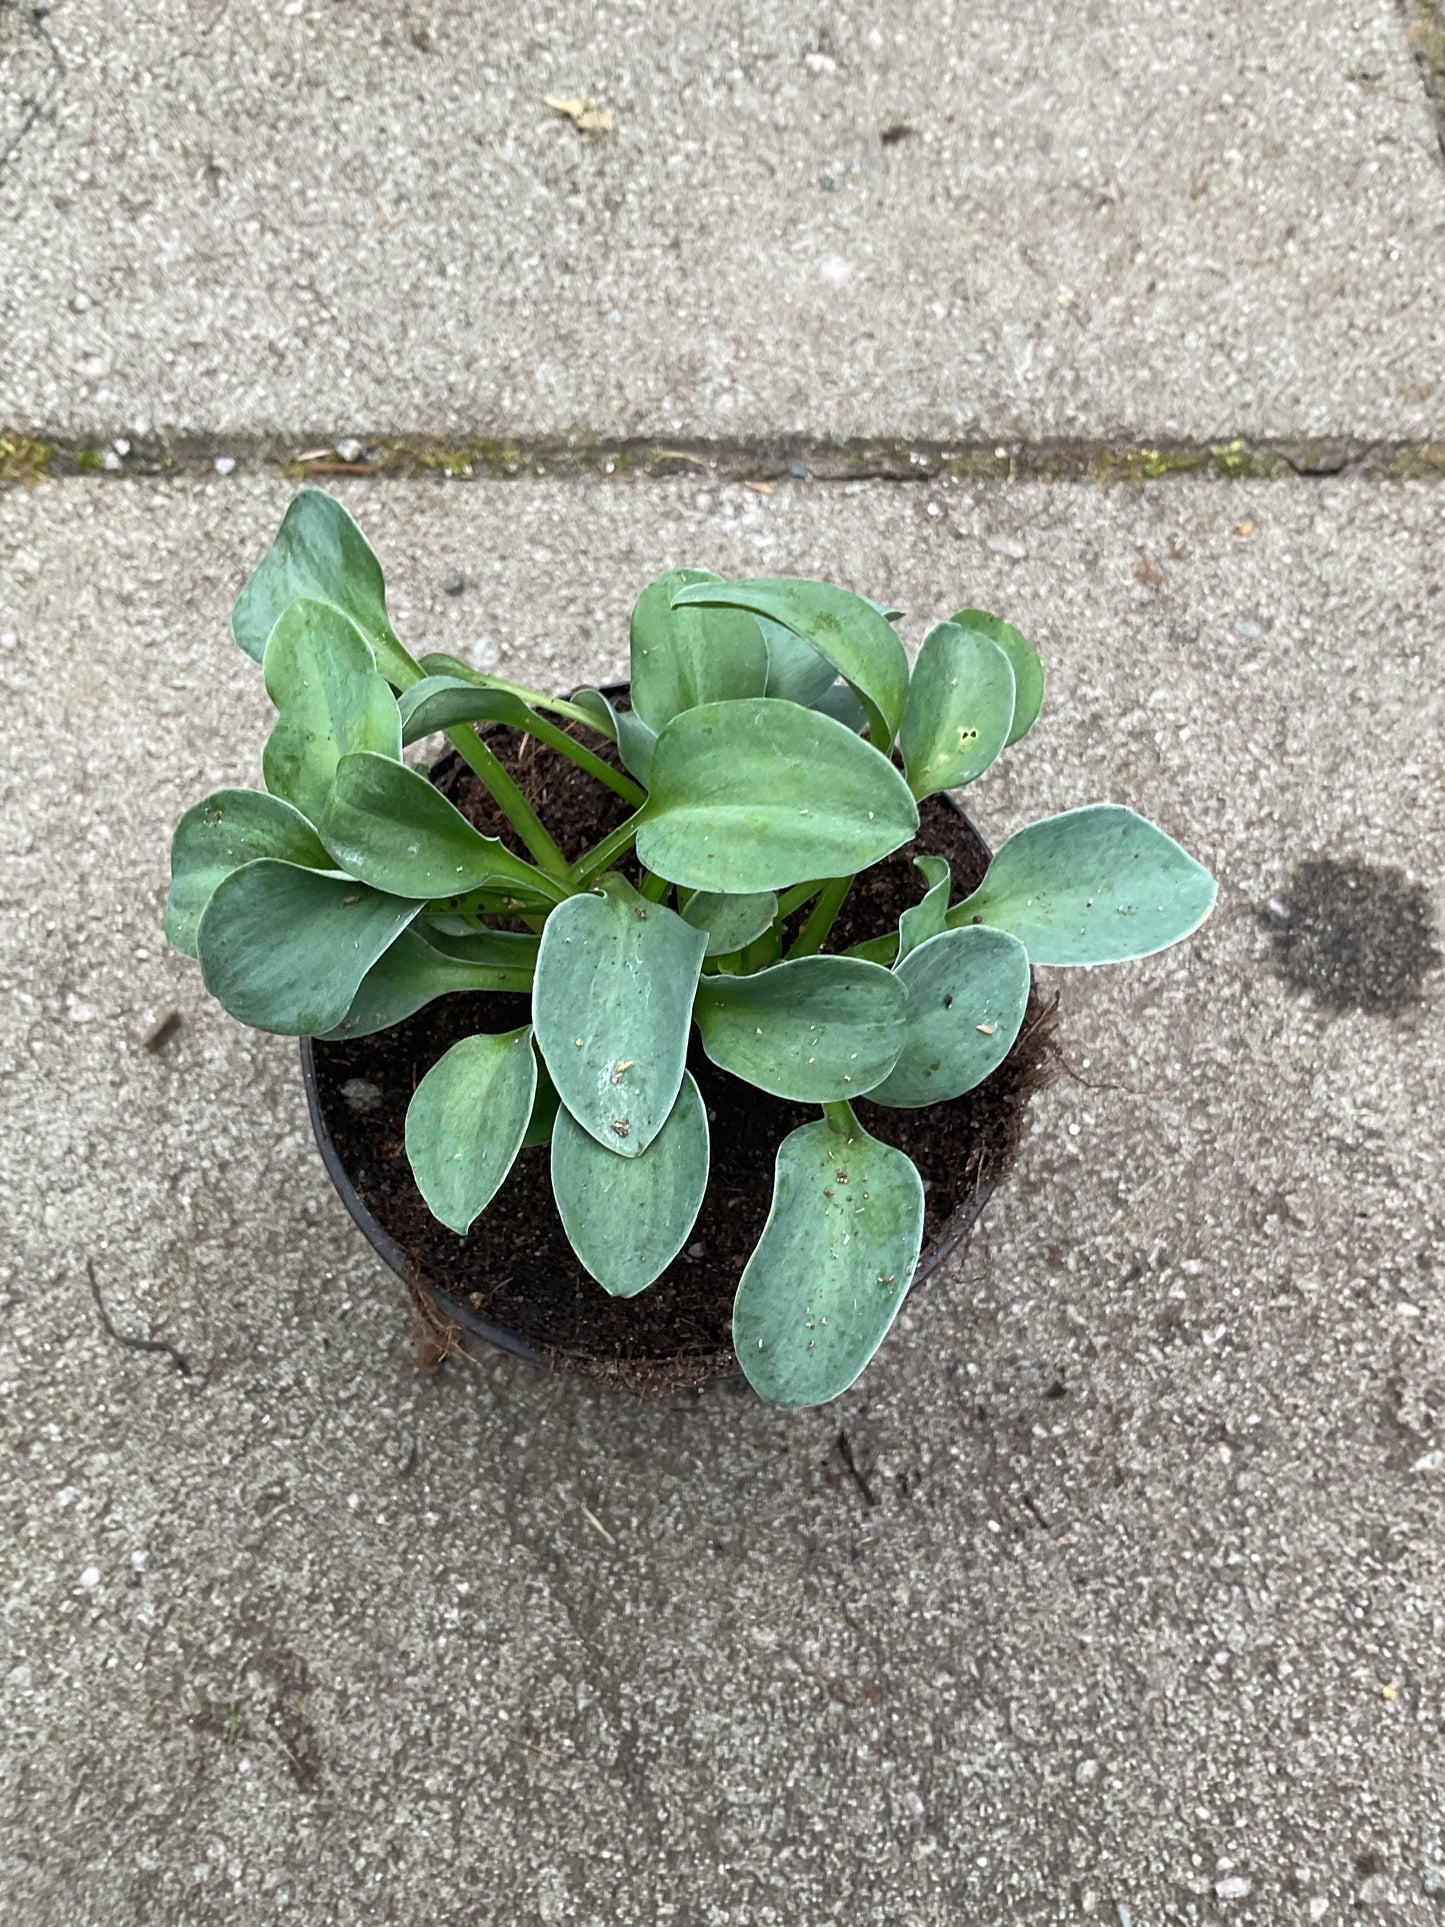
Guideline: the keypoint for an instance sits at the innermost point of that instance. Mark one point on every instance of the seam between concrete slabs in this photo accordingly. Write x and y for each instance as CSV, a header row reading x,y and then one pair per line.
x,y
27,458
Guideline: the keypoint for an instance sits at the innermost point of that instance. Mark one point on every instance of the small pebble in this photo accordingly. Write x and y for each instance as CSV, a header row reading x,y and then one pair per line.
x,y
1319,1907
796,469
111,461
1279,911
224,464
454,583
121,445
90,1578
1007,545
1233,1887
80,303
697,1250
361,1096
1246,628
350,450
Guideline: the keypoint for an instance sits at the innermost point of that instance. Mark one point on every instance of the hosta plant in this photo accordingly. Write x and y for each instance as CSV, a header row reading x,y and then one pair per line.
x,y
776,743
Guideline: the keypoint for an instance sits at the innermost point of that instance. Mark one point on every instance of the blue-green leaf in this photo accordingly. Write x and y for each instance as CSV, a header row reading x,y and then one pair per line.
x,y
832,1267
330,701
388,825
1094,885
683,657
928,917
219,835
412,972
960,708
847,630
796,672
730,922
285,949
320,554
612,1002
635,741
815,1029
466,1122
628,1218
1023,660
968,990
753,796
441,702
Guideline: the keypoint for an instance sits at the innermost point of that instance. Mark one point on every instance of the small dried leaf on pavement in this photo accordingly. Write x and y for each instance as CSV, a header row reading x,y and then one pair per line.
x,y
583,113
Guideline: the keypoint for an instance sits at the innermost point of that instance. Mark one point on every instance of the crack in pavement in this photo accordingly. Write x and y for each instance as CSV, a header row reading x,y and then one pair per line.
x,y
31,106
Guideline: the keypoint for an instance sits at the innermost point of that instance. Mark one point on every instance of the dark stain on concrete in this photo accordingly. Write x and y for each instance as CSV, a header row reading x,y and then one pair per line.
x,y
1356,936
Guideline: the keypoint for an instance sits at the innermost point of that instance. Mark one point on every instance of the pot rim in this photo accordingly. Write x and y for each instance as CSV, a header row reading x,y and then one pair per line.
x,y
943,1245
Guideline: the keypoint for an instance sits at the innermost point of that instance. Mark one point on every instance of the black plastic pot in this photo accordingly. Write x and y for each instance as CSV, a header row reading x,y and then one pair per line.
x,y
452,1310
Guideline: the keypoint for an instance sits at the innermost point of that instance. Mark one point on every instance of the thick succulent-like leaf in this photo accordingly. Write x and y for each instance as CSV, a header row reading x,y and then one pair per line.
x,y
217,836
967,993
929,916
753,796
464,943
847,630
730,922
612,1002
832,1267
1092,886
330,701
321,554
960,708
683,657
796,672
411,973
441,702
466,1122
285,949
628,1218
635,741
386,824
816,1029
1023,660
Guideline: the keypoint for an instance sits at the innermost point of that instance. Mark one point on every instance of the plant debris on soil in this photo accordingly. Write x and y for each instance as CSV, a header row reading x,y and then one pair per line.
x,y
516,1268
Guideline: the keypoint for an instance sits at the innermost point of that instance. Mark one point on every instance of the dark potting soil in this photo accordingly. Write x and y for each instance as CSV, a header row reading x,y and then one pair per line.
x,y
516,1267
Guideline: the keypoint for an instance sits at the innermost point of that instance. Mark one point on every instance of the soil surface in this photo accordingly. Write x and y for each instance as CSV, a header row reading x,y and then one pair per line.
x,y
516,1267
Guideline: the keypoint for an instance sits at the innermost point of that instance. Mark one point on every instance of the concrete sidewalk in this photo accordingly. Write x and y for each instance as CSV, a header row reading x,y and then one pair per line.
x,y
1138,1617
995,219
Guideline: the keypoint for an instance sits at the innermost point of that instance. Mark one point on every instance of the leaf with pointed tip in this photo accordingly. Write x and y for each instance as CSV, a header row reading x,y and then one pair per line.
x,y
815,1029
967,993
466,1122
464,943
928,917
285,949
329,701
635,741
1023,660
683,657
730,922
1094,885
847,630
612,1002
960,706
441,702
319,553
832,1267
628,1218
386,824
410,974
753,796
219,835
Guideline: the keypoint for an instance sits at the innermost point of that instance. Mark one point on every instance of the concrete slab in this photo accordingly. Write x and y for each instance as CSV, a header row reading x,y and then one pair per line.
x,y
999,219
1142,1621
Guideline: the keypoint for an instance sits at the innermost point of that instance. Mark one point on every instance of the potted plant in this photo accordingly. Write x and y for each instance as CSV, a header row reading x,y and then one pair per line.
x,y
672,1002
